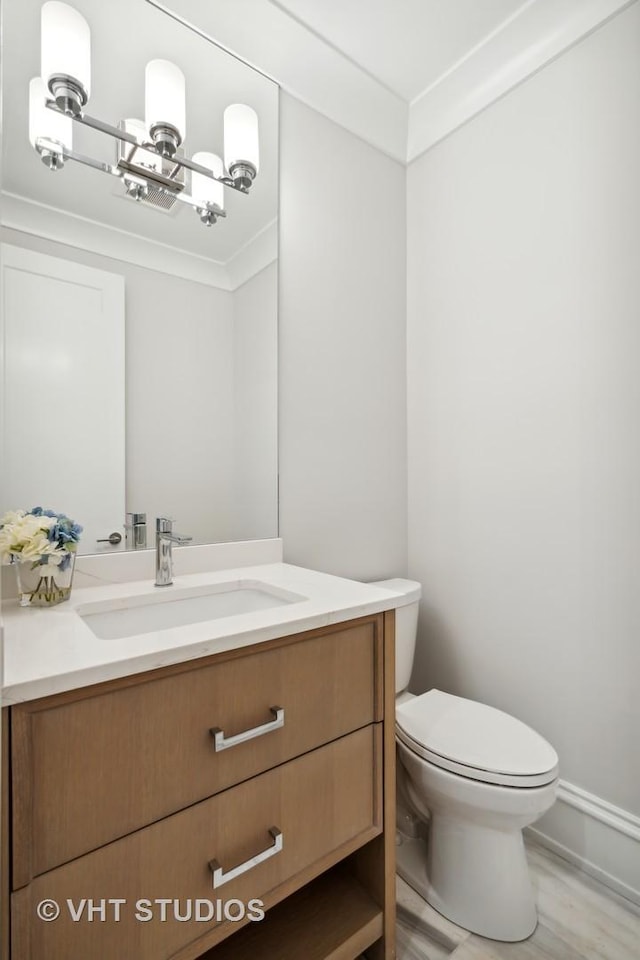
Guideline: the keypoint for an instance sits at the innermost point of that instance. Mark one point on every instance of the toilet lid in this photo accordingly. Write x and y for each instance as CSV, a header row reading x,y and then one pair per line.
x,y
476,740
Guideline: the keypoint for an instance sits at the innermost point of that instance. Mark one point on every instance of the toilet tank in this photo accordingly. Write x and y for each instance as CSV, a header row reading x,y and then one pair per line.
x,y
406,626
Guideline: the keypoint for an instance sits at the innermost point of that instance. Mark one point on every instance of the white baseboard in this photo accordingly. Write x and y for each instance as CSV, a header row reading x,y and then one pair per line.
x,y
600,838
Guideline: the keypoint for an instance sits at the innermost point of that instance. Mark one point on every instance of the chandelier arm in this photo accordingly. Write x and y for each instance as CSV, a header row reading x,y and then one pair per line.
x,y
99,125
90,162
44,144
187,198
53,147
207,172
119,134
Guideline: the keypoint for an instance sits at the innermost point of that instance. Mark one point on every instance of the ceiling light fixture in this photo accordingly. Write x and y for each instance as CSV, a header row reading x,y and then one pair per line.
x,y
150,157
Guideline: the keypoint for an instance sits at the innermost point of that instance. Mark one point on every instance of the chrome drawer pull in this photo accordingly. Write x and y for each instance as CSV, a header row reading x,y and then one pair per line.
x,y
220,878
222,743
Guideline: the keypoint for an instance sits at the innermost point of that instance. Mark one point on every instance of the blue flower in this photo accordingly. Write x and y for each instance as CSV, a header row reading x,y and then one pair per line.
x,y
65,533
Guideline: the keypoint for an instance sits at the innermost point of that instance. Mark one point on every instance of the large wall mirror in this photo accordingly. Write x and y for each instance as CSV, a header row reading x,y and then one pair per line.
x,y
139,342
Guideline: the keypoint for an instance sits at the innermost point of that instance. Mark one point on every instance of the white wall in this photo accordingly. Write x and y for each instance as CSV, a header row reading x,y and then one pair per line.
x,y
255,387
179,349
523,407
342,350
179,394
342,356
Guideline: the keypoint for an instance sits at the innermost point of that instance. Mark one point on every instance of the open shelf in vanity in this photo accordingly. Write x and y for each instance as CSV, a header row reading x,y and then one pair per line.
x,y
332,918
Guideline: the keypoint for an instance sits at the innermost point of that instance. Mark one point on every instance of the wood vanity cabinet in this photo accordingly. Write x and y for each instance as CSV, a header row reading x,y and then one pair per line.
x,y
265,773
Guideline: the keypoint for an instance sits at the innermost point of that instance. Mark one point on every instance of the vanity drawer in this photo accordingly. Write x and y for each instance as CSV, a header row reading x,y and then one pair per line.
x,y
325,803
93,766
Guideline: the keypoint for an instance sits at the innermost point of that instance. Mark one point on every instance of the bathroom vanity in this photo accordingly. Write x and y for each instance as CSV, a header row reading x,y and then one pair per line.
x,y
257,764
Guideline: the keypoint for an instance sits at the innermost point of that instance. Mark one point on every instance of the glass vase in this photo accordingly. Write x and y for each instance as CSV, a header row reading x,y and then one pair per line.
x,y
43,585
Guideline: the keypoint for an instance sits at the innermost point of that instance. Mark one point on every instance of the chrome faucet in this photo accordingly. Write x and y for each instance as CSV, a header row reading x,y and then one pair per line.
x,y
165,538
136,531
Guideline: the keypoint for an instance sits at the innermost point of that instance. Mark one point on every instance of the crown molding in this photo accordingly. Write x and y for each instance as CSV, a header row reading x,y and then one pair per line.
x,y
51,223
320,76
313,71
41,220
538,33
254,255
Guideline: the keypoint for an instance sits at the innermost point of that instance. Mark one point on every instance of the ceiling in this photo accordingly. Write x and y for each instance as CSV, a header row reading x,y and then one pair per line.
x,y
401,74
124,37
405,44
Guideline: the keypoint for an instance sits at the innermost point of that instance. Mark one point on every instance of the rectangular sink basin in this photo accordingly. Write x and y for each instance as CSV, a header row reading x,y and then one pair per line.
x,y
179,607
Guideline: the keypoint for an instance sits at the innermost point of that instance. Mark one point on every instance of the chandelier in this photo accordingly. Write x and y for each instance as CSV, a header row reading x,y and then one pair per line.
x,y
150,158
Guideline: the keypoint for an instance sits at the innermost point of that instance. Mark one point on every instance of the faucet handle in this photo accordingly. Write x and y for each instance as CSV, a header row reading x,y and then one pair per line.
x,y
164,524
131,519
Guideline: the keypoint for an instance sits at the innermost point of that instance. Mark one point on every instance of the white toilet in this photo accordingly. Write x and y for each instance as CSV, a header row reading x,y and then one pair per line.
x,y
470,778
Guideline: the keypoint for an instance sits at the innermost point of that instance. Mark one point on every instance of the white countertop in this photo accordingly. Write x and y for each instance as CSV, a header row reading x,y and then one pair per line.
x,y
49,650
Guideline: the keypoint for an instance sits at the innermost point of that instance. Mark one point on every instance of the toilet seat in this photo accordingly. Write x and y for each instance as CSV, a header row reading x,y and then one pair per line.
x,y
475,740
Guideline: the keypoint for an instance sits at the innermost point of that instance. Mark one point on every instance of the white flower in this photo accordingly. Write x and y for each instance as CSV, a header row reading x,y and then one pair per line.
x,y
26,535
37,546
12,516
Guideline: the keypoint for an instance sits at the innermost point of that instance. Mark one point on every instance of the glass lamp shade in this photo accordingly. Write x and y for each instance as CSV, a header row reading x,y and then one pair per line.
x,y
65,45
45,123
204,190
241,143
165,96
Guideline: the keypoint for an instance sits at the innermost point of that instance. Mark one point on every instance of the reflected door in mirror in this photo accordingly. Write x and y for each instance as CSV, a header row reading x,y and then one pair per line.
x,y
63,391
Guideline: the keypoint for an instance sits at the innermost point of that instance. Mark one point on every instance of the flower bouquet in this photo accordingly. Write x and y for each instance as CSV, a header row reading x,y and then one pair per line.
x,y
42,545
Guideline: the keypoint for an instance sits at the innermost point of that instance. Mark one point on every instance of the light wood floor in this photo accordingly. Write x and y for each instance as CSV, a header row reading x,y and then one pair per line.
x,y
579,919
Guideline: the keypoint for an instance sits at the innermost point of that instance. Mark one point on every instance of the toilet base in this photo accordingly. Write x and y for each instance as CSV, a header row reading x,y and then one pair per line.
x,y
489,893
